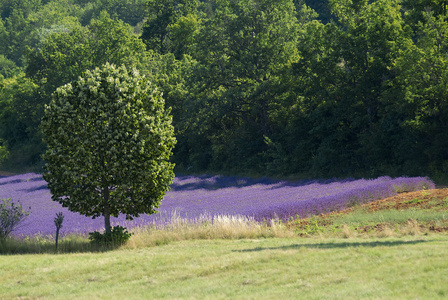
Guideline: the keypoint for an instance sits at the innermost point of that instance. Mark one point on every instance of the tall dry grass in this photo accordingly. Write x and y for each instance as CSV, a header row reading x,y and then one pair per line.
x,y
206,227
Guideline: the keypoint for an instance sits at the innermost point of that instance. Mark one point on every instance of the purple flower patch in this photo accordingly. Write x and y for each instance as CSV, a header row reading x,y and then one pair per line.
x,y
193,196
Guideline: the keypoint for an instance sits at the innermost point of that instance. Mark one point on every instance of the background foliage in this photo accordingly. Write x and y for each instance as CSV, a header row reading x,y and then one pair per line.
x,y
290,87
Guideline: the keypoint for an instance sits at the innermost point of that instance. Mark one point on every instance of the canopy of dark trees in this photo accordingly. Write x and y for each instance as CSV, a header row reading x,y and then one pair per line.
x,y
303,88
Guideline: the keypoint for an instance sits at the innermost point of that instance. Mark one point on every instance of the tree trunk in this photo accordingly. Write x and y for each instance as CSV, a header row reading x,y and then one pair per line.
x,y
106,210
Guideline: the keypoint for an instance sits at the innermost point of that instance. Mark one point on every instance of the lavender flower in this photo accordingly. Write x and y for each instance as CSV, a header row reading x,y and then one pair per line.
x,y
194,196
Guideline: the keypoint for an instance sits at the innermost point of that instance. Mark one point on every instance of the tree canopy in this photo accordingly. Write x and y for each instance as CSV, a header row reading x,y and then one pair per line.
x,y
290,87
109,141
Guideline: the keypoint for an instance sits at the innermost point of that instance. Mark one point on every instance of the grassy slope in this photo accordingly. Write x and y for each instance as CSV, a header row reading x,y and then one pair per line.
x,y
238,269
362,267
420,212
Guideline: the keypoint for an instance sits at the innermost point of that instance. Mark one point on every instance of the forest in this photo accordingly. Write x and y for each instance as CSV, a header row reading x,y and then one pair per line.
x,y
304,88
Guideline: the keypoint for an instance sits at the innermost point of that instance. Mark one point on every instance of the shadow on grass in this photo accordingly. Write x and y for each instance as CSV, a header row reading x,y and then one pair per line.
x,y
19,247
338,245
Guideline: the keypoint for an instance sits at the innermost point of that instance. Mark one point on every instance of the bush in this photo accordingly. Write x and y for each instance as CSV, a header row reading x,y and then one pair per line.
x,y
11,214
118,236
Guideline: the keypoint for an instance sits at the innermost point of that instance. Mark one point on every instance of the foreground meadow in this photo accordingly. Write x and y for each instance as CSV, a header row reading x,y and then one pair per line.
x,y
280,268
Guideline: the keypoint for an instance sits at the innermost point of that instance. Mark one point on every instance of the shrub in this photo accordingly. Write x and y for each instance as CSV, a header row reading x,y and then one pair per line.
x,y
58,222
11,214
118,236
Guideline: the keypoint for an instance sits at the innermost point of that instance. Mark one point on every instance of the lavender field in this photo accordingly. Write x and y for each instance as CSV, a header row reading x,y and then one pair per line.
x,y
192,197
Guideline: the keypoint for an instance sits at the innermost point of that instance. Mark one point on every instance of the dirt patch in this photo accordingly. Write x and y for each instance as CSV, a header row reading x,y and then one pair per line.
x,y
438,228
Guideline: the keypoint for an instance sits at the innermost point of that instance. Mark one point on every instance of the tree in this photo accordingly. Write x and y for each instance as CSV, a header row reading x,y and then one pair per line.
x,y
162,15
183,34
242,49
414,10
345,82
19,120
321,7
109,140
3,153
129,11
420,84
63,56
3,38
19,34
301,120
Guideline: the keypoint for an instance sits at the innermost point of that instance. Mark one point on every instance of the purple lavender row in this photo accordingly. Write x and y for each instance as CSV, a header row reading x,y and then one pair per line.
x,y
194,196
376,190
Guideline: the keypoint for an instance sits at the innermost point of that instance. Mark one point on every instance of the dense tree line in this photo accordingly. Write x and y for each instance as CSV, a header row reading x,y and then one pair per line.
x,y
309,88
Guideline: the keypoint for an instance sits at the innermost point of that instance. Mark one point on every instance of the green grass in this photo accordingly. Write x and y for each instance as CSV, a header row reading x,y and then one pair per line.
x,y
268,268
391,216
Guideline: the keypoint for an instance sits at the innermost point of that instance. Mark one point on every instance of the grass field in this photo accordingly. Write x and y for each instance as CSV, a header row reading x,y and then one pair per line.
x,y
391,268
374,251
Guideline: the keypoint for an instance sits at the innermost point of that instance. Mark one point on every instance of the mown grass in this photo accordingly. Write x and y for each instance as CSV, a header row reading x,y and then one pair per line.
x,y
392,216
385,254
283,268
